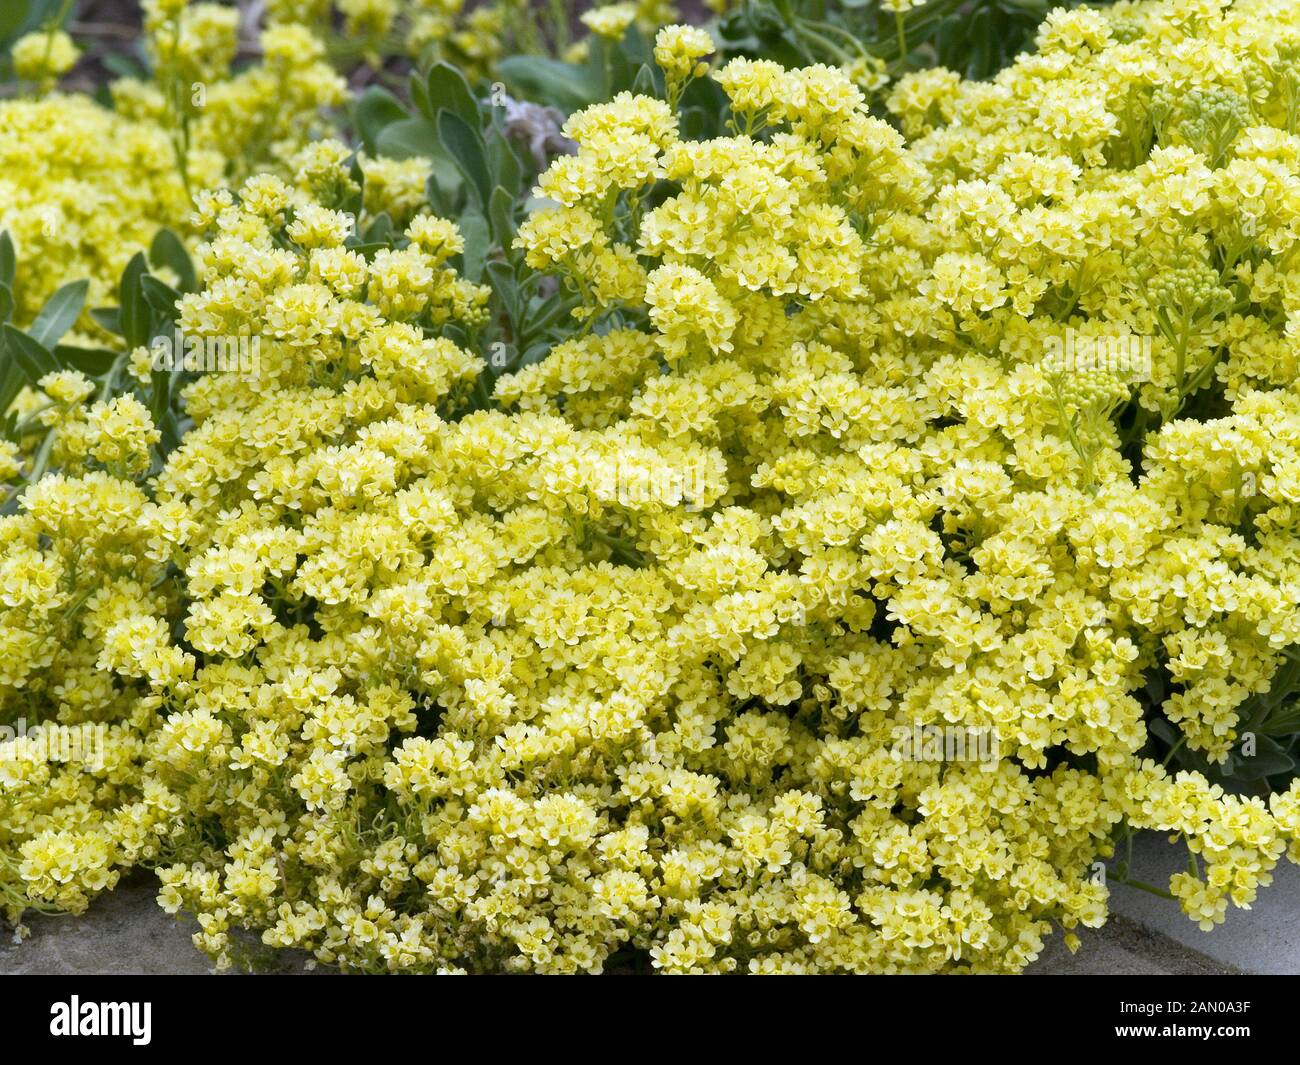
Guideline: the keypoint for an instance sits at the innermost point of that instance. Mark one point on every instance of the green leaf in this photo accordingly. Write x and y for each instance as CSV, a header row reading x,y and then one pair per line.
x,y
353,202
167,250
366,251
694,123
160,400
634,46
59,314
372,112
1269,758
1284,722
12,18
8,260
11,378
1156,688
501,212
133,307
598,65
507,289
545,313
465,146
644,84
478,238
535,354
6,303
420,95
449,90
33,358
93,362
535,77
380,231
609,63
159,295
109,318
506,169
418,137
446,177
170,430
434,194
407,138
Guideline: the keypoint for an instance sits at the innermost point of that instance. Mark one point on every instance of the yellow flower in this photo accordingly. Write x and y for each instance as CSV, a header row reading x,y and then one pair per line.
x,y
43,57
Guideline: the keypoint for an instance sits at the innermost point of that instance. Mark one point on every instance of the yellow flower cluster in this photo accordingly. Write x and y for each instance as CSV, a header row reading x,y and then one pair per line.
x,y
472,36
895,345
44,57
229,123
85,630
82,188
630,662
82,647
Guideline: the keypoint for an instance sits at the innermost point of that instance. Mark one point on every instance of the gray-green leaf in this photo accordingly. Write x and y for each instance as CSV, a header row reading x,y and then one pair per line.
x,y
167,250
8,260
59,314
32,357
465,146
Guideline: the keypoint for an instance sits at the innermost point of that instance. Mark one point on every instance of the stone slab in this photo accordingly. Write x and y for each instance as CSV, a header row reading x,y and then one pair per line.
x,y
1264,939
124,932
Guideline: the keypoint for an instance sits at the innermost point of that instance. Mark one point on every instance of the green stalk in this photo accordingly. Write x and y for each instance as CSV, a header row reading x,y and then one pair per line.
x,y
55,24
1141,885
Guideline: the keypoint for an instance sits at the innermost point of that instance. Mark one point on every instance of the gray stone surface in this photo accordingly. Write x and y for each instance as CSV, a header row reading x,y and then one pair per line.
x,y
1123,948
123,933
1263,939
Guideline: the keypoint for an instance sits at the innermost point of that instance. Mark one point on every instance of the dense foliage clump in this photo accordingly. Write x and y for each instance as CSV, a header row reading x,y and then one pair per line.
x,y
849,424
